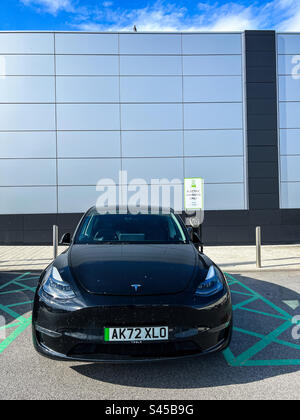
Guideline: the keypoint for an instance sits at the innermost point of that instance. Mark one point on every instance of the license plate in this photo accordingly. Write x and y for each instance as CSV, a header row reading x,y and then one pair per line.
x,y
136,334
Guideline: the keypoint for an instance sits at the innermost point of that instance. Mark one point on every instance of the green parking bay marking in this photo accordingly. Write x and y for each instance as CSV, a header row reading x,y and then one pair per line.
x,y
13,288
20,323
247,357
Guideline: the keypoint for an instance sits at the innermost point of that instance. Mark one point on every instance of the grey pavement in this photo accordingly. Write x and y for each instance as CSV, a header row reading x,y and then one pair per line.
x,y
230,258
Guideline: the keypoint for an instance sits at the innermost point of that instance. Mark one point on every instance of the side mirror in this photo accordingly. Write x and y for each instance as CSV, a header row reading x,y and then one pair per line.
x,y
196,239
65,239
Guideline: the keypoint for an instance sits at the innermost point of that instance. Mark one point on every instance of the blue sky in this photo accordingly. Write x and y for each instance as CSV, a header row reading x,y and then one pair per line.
x,y
158,15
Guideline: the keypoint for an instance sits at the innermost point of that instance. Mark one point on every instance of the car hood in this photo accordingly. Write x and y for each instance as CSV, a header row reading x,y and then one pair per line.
x,y
114,269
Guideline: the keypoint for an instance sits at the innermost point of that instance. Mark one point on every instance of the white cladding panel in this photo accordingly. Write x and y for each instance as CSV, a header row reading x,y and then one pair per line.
x,y
87,171
288,44
151,89
26,65
88,117
151,65
87,89
26,43
27,172
88,144
27,144
87,65
22,117
212,65
28,200
27,89
152,143
212,44
75,43
213,89
153,44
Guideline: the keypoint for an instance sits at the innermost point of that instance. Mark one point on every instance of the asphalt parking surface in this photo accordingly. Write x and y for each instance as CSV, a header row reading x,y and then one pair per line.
x,y
263,360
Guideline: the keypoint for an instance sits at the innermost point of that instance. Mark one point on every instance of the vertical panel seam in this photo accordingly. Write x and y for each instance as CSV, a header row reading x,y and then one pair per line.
x,y
120,105
245,129
278,123
182,93
56,134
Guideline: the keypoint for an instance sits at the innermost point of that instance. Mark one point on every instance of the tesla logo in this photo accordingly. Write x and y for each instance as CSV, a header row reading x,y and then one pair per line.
x,y
136,287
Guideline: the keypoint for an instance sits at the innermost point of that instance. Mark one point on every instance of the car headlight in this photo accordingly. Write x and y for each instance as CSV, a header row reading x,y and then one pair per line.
x,y
56,287
212,284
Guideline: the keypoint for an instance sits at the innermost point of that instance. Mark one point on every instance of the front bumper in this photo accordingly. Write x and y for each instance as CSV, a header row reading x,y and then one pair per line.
x,y
79,334
119,357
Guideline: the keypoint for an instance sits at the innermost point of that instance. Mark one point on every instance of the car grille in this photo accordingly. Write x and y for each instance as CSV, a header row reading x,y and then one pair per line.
x,y
153,350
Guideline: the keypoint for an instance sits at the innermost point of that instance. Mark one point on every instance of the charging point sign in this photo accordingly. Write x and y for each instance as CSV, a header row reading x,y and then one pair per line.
x,y
193,194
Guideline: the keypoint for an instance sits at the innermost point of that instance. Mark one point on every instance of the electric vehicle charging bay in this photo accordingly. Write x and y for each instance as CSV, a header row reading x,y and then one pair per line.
x,y
263,329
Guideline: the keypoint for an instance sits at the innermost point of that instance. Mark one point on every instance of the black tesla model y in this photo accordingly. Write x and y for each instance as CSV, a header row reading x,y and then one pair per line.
x,y
131,287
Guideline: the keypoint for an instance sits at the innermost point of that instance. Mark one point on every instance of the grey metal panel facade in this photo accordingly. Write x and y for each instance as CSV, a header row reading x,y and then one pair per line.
x,y
156,104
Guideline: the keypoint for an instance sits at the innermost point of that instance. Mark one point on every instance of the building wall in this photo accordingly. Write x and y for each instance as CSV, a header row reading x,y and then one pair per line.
x,y
78,107
289,113
75,108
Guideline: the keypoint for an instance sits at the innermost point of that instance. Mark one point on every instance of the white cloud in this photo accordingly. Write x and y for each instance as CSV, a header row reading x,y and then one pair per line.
x,y
156,19
291,21
162,16
167,17
204,7
292,24
50,6
234,23
89,27
232,17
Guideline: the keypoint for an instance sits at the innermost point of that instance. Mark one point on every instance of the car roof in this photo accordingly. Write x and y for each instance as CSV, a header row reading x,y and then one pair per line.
x,y
145,210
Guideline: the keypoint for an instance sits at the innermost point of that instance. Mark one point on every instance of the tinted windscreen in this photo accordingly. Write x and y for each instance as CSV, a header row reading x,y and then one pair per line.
x,y
126,228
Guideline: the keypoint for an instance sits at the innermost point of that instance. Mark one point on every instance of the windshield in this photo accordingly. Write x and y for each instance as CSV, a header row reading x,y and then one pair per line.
x,y
129,228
